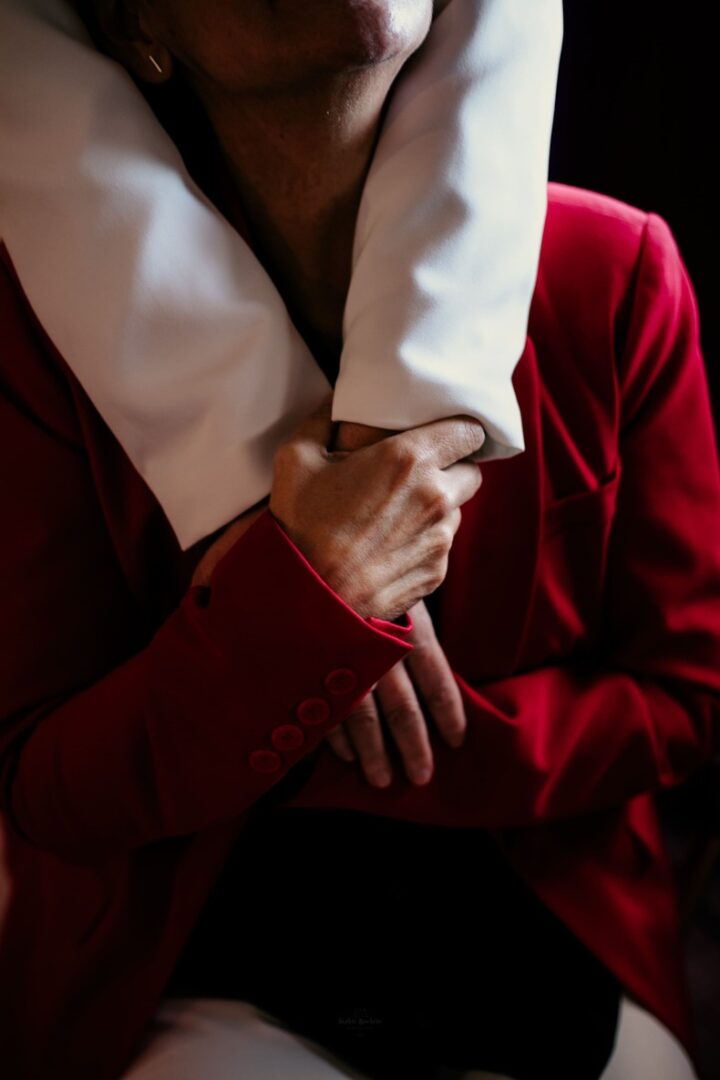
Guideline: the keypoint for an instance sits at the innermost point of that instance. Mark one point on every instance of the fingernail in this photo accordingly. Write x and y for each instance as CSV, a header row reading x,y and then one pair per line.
x,y
456,740
423,776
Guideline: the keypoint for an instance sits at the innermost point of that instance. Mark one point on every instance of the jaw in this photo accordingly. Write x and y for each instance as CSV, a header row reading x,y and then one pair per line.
x,y
373,31
271,47
348,33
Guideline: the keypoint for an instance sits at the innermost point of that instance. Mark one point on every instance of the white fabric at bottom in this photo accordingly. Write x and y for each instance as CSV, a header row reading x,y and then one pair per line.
x,y
213,1039
646,1050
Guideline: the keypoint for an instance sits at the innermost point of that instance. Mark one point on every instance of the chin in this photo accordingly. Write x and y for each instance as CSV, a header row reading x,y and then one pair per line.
x,y
372,31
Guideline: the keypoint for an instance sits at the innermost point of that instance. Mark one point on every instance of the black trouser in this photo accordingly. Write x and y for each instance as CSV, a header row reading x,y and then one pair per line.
x,y
400,947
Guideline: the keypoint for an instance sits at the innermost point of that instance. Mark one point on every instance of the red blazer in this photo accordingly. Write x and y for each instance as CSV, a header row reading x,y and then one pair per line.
x,y
141,718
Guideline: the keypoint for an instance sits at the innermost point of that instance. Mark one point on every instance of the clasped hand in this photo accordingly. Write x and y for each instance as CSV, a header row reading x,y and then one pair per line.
x,y
381,561
424,672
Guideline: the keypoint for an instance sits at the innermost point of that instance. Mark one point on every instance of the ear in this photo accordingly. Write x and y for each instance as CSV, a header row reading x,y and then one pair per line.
x,y
126,31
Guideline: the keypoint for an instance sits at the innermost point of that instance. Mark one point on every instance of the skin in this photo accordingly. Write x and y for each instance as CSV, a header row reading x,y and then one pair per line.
x,y
295,94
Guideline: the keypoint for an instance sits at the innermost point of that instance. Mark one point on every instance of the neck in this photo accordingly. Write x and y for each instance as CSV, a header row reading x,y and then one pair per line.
x,y
299,164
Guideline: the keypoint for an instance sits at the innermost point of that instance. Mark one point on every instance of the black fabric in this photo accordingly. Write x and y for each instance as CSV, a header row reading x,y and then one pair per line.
x,y
400,947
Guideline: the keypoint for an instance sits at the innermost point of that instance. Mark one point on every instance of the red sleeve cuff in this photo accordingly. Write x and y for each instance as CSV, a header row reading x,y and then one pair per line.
x,y
384,626
399,630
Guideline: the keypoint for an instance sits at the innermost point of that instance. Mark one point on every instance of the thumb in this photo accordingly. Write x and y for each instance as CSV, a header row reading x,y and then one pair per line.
x,y
317,428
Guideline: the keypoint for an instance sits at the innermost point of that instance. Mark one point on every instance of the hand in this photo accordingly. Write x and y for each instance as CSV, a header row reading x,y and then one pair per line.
x,y
361,734
377,523
349,436
353,436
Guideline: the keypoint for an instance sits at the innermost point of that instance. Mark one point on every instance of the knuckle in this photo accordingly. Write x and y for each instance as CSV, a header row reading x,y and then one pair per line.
x,y
401,454
438,503
446,535
440,699
362,721
437,553
437,574
439,544
401,718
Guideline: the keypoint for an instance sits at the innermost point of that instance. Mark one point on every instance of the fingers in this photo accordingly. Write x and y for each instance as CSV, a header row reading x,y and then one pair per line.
x,y
341,744
433,679
461,481
423,683
404,717
443,442
365,734
353,436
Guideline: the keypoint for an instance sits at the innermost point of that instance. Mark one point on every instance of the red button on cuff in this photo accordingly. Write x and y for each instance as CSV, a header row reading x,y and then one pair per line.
x,y
287,737
265,761
313,710
341,681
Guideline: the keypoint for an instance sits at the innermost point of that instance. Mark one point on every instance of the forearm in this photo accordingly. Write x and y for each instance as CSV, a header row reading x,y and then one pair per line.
x,y
202,722
448,237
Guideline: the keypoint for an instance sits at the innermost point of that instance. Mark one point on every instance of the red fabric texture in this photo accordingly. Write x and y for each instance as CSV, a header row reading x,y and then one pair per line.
x,y
580,613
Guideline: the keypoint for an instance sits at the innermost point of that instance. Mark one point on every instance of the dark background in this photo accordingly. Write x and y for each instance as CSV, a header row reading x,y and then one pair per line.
x,y
637,118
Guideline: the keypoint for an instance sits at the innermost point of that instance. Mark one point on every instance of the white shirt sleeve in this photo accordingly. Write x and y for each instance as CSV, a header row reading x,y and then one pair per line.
x,y
450,225
171,324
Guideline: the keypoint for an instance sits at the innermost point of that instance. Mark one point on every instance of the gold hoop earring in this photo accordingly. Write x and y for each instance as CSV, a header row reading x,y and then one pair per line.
x,y
155,64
